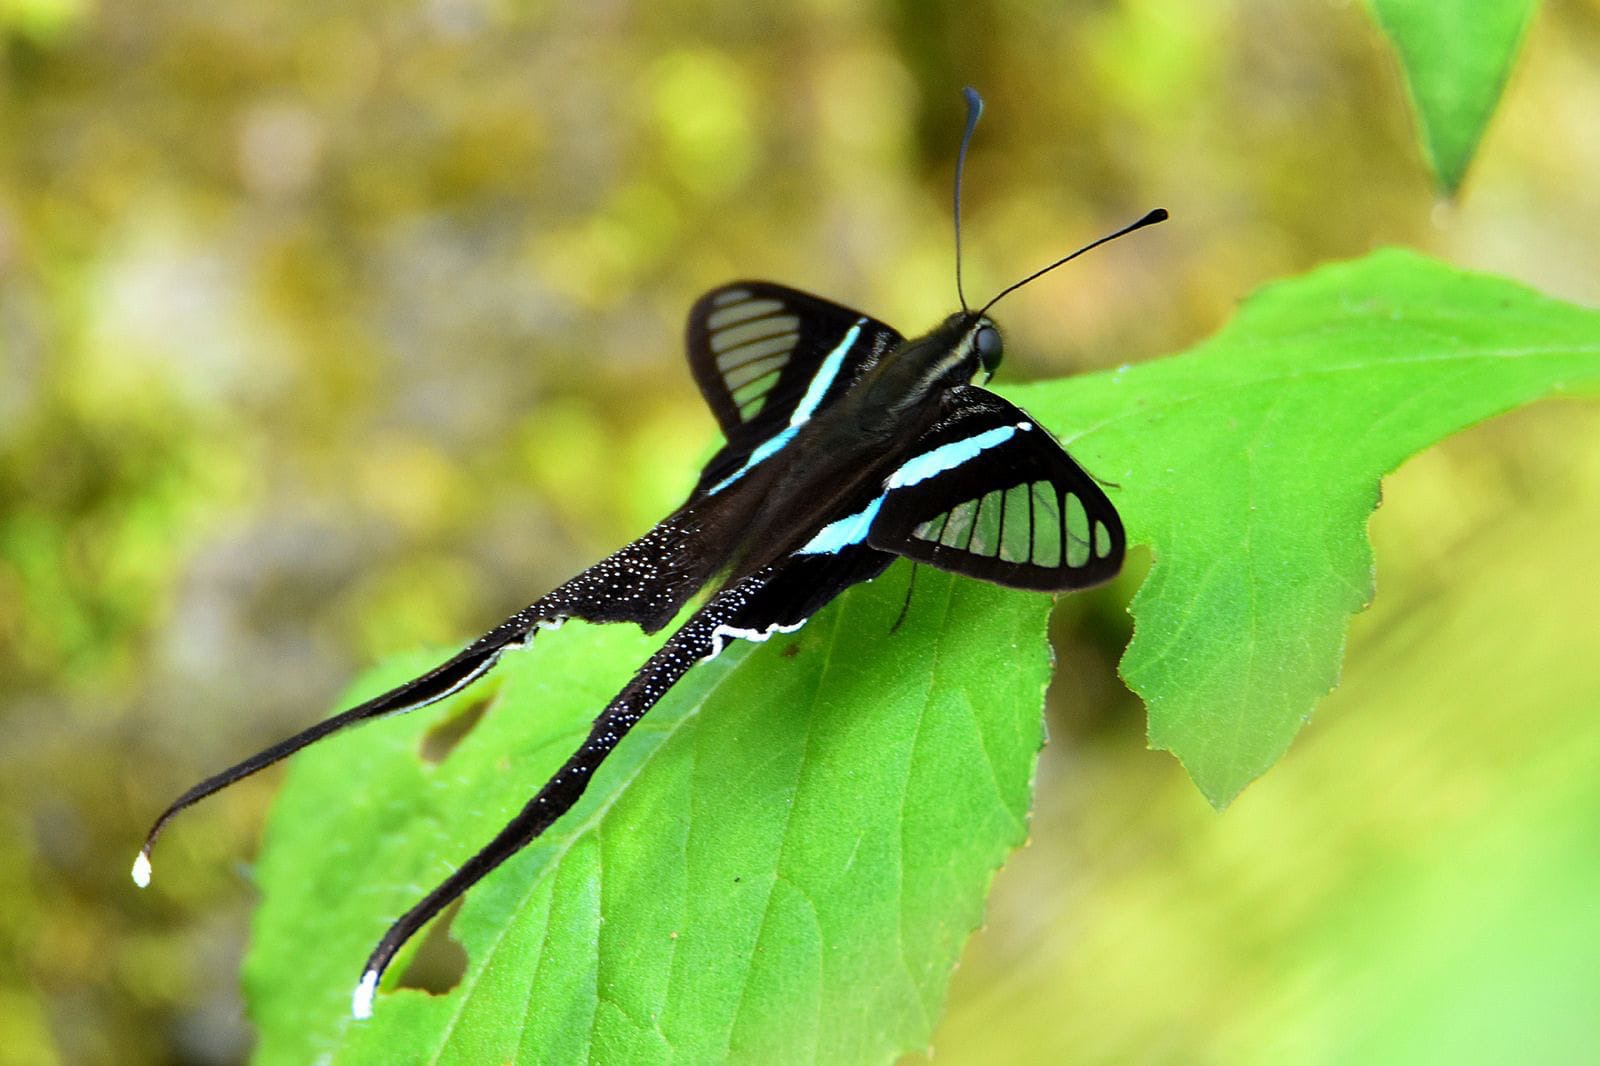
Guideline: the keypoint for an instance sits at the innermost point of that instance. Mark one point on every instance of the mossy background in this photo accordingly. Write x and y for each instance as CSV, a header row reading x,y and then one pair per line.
x,y
326,335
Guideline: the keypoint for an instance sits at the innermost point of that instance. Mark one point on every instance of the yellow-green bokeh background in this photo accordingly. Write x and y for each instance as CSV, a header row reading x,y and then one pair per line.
x,y
328,332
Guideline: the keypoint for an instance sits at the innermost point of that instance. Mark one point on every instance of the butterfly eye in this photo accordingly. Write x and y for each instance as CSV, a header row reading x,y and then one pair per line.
x,y
987,342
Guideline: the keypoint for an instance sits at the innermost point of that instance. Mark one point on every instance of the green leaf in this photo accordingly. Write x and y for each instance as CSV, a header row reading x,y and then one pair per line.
x,y
784,859
781,862
1455,55
1250,465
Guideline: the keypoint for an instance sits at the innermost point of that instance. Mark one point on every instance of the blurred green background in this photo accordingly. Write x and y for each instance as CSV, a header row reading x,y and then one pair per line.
x,y
329,333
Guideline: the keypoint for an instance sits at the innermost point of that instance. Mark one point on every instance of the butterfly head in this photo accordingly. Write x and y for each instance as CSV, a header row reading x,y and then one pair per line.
x,y
975,348
988,346
966,348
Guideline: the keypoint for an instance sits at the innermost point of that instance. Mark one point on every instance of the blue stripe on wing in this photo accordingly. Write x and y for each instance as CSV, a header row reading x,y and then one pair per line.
x,y
853,529
824,379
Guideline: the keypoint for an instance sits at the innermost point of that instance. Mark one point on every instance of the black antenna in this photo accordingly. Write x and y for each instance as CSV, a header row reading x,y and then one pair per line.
x,y
974,112
1158,215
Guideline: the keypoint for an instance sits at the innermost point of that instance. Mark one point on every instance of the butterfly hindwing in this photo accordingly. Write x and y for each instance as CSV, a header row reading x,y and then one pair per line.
x,y
988,493
767,357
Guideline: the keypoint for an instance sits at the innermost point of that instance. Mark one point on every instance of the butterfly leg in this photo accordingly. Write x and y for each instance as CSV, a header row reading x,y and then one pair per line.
x,y
736,611
630,586
905,605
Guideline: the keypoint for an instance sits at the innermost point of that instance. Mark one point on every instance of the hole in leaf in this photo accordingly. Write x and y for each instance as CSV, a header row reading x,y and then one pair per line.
x,y
439,741
440,961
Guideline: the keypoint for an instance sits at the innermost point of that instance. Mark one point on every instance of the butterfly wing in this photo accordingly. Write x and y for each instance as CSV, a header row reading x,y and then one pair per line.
x,y
988,493
767,358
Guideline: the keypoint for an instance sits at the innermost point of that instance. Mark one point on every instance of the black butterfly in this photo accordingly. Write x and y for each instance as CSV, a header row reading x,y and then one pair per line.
x,y
847,446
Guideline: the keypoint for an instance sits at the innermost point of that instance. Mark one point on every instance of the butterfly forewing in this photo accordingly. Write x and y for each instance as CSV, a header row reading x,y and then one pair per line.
x,y
988,493
768,358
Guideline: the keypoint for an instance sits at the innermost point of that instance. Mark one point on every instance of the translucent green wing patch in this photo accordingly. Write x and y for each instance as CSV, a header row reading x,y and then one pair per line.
x,y
1023,524
751,340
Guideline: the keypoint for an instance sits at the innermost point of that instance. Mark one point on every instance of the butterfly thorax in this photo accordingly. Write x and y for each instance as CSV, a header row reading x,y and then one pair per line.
x,y
908,381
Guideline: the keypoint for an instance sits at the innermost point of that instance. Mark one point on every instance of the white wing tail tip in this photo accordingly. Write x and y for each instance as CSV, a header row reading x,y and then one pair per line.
x,y
141,870
361,1001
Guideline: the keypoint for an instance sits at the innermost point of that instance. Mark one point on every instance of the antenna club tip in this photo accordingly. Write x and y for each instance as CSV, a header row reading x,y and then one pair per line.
x,y
1158,215
361,1000
141,870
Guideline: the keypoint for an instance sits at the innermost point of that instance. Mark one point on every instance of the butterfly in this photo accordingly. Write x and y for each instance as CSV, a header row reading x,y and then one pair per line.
x,y
847,446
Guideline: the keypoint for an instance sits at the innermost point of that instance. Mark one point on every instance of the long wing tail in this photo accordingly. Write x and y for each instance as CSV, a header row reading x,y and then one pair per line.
x,y
776,599
633,585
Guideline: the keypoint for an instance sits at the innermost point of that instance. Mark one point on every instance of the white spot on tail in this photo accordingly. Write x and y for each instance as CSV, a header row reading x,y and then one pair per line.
x,y
361,1002
722,633
141,870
